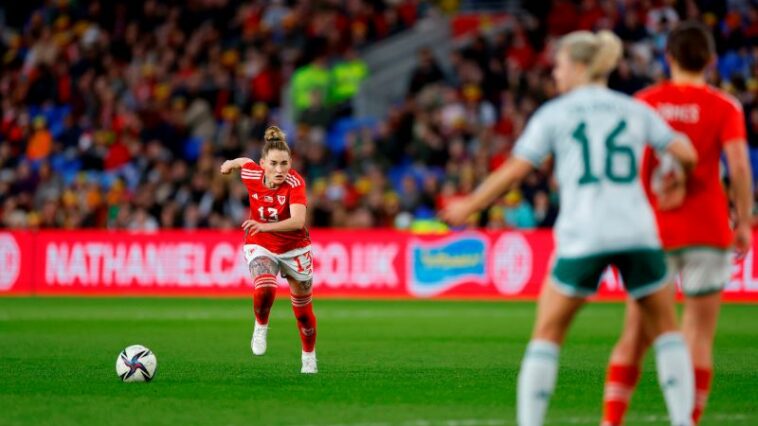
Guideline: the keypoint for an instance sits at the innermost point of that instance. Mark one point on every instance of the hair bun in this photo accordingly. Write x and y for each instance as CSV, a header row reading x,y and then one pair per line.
x,y
274,134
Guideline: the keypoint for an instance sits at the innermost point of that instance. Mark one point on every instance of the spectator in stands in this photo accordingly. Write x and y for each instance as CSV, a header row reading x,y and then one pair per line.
x,y
427,71
316,114
146,98
518,213
307,80
346,77
630,28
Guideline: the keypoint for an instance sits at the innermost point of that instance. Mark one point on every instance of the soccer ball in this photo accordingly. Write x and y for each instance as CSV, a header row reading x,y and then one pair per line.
x,y
136,364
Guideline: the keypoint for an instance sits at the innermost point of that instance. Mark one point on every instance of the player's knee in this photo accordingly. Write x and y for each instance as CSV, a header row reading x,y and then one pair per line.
x,y
302,288
697,339
632,345
550,331
635,336
305,286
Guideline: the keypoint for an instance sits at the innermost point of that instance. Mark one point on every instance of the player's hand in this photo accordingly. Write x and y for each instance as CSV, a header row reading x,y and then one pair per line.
x,y
252,227
672,192
743,239
227,167
457,212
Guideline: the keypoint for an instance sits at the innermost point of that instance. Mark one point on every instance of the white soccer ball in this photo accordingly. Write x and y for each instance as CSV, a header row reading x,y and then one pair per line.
x,y
136,364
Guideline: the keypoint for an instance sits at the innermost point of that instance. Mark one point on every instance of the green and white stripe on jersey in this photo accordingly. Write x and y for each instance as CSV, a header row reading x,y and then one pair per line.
x,y
597,137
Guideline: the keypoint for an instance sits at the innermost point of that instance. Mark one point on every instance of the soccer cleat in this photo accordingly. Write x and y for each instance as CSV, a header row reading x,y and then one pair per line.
x,y
258,343
309,363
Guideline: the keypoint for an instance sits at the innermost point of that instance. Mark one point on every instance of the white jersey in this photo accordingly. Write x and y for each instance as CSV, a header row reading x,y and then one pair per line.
x,y
597,137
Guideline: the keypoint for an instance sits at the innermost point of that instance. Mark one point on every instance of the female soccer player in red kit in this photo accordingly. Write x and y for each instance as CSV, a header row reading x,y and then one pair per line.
x,y
276,240
695,231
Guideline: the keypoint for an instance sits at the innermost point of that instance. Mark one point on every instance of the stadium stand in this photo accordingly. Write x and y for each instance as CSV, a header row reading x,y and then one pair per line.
x,y
116,114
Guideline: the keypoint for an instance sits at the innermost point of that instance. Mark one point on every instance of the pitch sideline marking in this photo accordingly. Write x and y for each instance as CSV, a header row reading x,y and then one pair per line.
x,y
652,418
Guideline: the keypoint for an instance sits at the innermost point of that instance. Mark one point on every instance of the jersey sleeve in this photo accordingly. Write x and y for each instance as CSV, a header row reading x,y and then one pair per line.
x,y
298,194
250,171
251,166
658,133
733,128
535,143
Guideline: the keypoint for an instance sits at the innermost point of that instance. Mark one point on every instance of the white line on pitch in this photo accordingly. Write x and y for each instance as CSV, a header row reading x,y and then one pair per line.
x,y
652,418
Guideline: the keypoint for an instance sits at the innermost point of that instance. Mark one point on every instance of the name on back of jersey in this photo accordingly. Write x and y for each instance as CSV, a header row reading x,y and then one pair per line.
x,y
683,113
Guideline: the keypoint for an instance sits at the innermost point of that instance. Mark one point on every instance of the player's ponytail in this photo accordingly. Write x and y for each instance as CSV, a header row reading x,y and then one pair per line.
x,y
609,50
274,138
599,52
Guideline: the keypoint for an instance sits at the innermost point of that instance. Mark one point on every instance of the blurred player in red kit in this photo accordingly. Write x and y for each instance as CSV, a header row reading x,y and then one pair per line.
x,y
276,240
693,216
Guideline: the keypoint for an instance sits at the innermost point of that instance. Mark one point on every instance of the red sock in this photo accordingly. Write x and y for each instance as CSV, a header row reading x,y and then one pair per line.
x,y
263,297
703,378
619,386
306,321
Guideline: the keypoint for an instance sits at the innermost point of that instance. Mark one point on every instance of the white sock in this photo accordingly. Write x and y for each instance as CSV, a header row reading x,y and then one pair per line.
x,y
675,376
536,381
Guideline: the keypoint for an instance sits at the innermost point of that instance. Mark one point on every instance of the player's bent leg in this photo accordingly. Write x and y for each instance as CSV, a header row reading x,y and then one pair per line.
x,y
672,358
539,368
624,366
699,328
634,341
302,306
263,270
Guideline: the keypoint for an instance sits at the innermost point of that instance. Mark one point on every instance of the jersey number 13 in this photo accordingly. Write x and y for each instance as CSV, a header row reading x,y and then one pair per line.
x,y
273,214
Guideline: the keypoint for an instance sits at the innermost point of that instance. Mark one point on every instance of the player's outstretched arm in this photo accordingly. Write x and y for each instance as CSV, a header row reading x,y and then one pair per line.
x,y
229,165
740,177
509,174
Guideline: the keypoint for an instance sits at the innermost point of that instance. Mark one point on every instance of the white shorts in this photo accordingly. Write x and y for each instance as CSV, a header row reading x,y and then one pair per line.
x,y
702,270
297,263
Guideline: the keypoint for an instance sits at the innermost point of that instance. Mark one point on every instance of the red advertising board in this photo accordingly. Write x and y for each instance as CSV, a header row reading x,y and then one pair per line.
x,y
16,262
96,262
365,263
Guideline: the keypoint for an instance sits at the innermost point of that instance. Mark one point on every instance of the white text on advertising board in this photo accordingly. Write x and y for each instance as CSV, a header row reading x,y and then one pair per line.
x,y
356,265
162,264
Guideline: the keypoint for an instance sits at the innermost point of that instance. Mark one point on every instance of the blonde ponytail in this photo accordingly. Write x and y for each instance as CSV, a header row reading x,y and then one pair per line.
x,y
607,56
599,52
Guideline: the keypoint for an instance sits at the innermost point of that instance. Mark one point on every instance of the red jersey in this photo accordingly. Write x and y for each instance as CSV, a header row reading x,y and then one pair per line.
x,y
273,205
710,118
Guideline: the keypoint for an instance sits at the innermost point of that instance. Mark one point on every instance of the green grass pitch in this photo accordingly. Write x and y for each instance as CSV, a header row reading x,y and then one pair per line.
x,y
382,363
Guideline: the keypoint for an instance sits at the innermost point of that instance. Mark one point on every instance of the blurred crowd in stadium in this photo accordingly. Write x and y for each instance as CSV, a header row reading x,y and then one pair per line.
x,y
117,114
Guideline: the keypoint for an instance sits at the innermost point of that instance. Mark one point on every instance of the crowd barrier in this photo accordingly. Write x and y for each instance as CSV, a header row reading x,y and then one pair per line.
x,y
355,263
